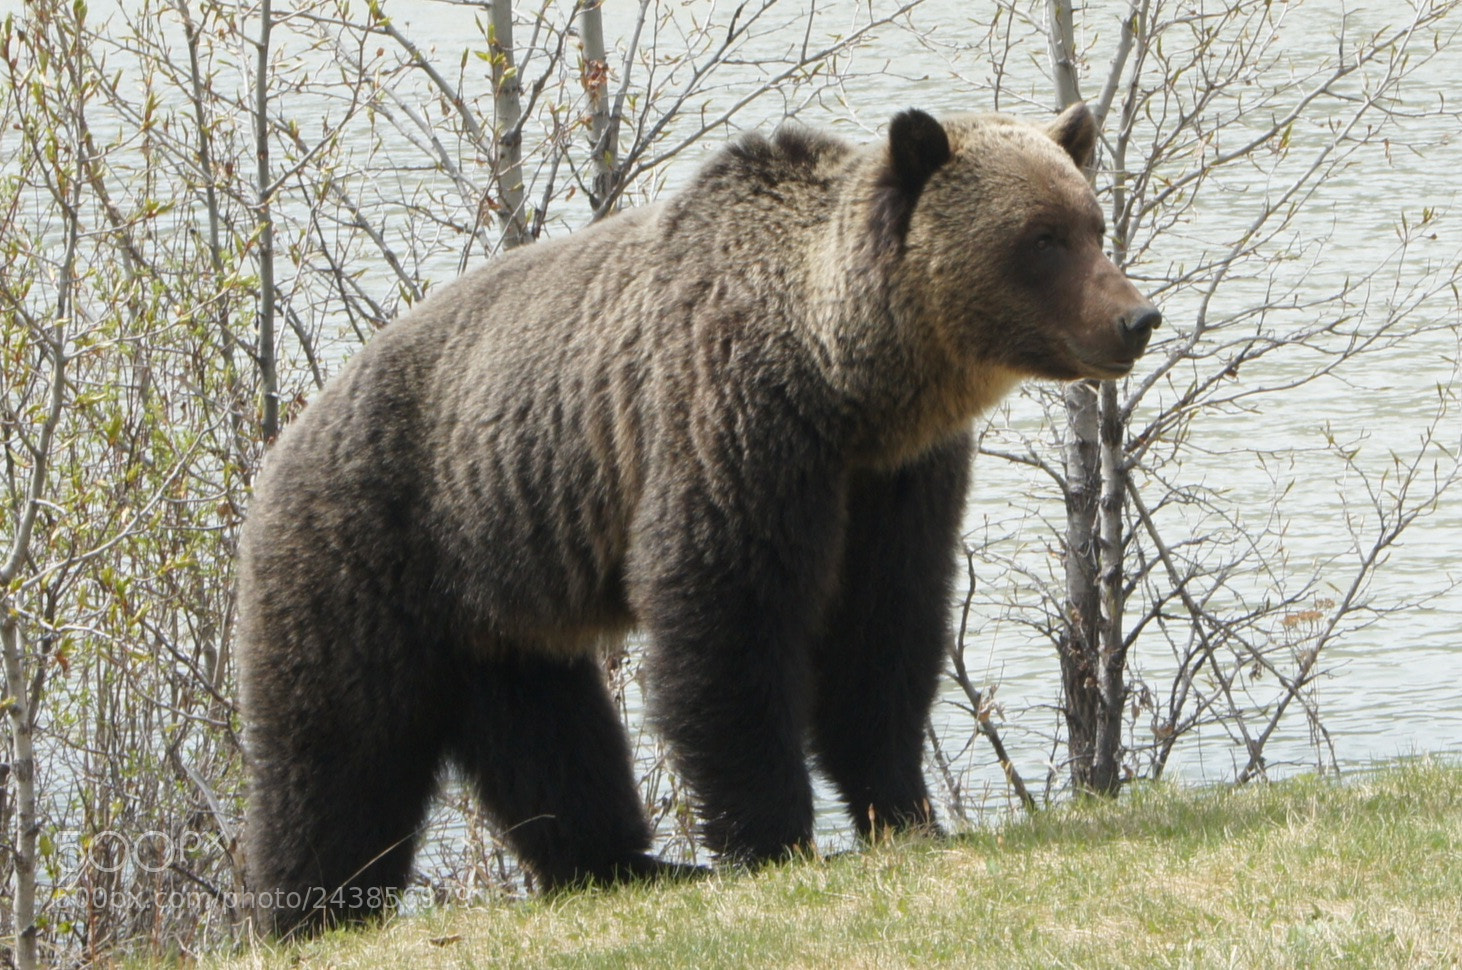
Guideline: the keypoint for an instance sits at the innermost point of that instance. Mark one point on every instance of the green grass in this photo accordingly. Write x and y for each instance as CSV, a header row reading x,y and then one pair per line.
x,y
1300,874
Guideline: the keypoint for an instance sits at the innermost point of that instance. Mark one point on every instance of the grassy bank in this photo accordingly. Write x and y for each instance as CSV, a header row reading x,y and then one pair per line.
x,y
1300,874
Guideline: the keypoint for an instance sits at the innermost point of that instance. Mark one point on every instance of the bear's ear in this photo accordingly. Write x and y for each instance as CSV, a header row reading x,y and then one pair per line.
x,y
1075,131
917,147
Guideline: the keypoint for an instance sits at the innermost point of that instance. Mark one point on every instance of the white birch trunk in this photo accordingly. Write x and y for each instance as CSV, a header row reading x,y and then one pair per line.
x,y
603,131
23,768
508,134
1093,658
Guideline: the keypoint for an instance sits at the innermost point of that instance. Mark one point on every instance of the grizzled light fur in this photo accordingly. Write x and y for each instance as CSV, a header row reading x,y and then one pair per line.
x,y
737,420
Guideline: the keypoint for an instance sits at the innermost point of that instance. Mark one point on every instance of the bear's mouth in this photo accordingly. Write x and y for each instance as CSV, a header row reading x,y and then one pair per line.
x,y
1108,369
1114,369
1097,361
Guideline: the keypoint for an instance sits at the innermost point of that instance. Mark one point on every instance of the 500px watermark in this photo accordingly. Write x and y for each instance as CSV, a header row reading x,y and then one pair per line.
x,y
151,851
124,901
195,900
110,870
129,901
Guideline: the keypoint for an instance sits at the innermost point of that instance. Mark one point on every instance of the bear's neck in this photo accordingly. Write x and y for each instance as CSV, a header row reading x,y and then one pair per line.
x,y
904,386
911,395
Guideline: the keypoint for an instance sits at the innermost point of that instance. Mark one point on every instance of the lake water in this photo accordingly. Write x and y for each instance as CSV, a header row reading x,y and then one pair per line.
x,y
1395,687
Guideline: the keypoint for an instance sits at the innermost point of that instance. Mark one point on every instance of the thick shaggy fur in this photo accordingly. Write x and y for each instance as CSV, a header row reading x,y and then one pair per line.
x,y
737,420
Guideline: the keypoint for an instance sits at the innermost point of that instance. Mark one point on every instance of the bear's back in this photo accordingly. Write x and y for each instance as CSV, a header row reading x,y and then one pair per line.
x,y
496,439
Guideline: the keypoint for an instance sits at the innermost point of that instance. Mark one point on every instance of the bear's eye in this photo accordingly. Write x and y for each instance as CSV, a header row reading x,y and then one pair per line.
x,y
1045,241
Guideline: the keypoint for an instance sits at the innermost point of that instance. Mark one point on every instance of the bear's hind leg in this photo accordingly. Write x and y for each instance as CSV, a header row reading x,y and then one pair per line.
x,y
341,785
541,740
878,662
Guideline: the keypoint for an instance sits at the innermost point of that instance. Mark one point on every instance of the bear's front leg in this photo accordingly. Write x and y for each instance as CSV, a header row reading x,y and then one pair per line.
x,y
877,664
730,576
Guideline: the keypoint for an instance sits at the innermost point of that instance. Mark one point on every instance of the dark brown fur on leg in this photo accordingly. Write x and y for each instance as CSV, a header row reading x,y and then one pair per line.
x,y
879,660
543,744
732,580
340,787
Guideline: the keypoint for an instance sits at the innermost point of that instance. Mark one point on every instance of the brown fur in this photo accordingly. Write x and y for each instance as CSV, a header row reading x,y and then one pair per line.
x,y
737,420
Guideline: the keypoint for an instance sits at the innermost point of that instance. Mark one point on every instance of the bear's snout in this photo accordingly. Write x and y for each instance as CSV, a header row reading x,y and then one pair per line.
x,y
1136,326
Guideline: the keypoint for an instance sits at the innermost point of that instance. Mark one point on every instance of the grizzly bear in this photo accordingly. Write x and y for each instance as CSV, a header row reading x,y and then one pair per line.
x,y
738,421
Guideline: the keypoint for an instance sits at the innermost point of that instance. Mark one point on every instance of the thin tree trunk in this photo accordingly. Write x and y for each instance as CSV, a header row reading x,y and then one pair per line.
x,y
1080,642
198,94
508,103
23,767
268,361
1106,766
1061,40
1093,655
18,699
7,901
603,130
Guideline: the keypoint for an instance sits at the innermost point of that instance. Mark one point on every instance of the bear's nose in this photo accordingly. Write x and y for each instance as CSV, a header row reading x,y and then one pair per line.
x,y
1136,325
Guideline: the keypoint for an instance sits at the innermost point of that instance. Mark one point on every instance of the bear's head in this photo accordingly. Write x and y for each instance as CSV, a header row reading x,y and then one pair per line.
x,y
999,242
